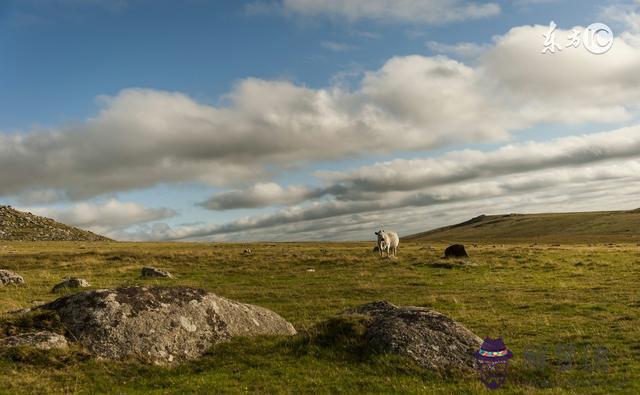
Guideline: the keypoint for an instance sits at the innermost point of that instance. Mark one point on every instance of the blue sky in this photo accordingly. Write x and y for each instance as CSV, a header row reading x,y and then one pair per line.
x,y
73,68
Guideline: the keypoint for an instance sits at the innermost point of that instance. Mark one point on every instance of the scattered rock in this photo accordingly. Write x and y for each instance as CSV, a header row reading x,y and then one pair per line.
x,y
41,340
73,282
8,277
311,270
149,271
160,325
455,251
432,339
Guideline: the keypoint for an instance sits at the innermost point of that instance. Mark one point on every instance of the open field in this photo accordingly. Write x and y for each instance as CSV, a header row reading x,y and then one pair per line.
x,y
533,296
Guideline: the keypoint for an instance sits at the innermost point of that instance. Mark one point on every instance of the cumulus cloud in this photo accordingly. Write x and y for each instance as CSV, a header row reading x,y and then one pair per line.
x,y
106,217
143,137
406,11
570,86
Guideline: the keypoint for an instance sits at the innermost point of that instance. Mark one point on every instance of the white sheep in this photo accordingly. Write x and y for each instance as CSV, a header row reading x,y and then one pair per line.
x,y
388,241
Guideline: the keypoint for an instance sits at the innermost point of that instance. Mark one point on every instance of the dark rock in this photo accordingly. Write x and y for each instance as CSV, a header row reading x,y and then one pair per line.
x,y
42,340
148,271
432,339
8,277
455,251
160,325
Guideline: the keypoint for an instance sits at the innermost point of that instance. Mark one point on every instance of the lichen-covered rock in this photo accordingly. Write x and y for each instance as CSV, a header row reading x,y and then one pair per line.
x,y
149,271
74,282
42,340
160,325
432,339
8,277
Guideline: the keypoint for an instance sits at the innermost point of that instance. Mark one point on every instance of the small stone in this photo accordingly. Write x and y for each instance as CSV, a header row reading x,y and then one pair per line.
x,y
8,277
73,282
149,271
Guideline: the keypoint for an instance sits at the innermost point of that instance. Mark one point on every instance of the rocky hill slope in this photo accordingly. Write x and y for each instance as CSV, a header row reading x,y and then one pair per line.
x,y
20,226
566,228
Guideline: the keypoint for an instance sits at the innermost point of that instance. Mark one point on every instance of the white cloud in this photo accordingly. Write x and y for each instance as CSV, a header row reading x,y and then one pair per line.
x,y
406,175
143,137
457,166
105,218
570,86
404,11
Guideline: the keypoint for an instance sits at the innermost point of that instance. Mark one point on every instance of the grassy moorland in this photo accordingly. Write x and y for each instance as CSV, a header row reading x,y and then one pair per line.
x,y
580,296
571,228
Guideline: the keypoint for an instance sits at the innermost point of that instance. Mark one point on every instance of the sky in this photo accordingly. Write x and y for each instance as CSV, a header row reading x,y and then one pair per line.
x,y
296,120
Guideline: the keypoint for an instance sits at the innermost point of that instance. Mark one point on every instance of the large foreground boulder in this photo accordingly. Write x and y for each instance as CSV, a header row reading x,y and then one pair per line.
x,y
160,325
42,340
432,339
8,277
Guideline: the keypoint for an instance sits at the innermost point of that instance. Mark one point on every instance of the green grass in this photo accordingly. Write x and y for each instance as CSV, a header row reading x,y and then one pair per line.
x,y
585,296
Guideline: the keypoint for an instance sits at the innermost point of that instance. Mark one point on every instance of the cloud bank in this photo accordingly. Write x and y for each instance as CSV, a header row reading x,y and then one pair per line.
x,y
262,128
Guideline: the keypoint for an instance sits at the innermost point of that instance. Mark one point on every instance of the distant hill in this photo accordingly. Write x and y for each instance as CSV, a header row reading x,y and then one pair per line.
x,y
20,226
571,228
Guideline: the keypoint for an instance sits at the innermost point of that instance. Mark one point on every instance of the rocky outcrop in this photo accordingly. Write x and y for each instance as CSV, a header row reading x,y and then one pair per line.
x,y
21,226
160,325
432,339
8,277
73,282
149,271
41,340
